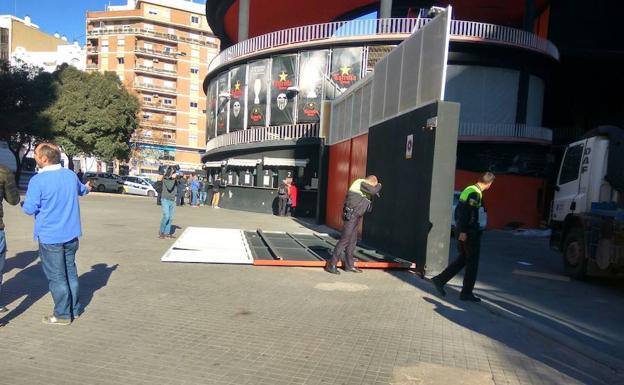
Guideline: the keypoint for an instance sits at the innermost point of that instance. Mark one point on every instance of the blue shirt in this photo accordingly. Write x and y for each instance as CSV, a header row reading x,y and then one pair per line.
x,y
195,185
52,197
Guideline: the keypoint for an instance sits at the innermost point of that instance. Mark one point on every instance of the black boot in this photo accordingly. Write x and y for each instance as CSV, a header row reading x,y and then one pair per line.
x,y
438,286
331,269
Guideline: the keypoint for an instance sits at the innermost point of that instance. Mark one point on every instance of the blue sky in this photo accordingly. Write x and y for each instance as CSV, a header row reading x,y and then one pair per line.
x,y
66,17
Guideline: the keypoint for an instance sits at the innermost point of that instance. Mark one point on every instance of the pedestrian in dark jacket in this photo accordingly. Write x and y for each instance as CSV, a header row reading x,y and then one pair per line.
x,y
168,198
357,203
468,232
9,193
181,186
158,187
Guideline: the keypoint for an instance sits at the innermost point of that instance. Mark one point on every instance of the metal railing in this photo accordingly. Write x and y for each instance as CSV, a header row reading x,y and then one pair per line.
x,y
380,29
154,52
152,140
159,106
162,71
91,66
158,124
261,134
148,33
150,86
511,131
92,49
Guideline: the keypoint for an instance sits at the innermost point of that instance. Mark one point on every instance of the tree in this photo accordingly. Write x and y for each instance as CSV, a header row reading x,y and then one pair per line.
x,y
93,114
25,93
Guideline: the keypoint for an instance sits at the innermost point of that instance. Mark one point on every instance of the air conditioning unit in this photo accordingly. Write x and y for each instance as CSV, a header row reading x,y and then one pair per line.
x,y
155,60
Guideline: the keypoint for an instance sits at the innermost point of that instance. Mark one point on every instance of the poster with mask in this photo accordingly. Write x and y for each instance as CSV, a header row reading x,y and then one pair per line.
x,y
222,104
257,88
211,109
283,76
237,98
312,70
346,69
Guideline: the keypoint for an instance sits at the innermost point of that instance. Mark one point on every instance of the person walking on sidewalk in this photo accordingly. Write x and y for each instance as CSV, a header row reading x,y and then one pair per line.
x,y
52,197
9,193
168,202
195,191
357,203
468,240
216,187
283,194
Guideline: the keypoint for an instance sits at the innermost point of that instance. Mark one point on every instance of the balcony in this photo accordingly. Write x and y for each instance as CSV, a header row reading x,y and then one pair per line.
x,y
150,34
155,70
157,53
162,124
504,133
158,107
263,134
379,30
153,139
153,87
92,50
92,66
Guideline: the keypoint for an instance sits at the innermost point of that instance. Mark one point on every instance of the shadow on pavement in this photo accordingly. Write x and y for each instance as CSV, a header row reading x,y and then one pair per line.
x,y
478,319
31,285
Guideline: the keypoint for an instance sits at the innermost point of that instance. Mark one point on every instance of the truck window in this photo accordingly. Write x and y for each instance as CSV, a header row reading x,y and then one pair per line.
x,y
571,164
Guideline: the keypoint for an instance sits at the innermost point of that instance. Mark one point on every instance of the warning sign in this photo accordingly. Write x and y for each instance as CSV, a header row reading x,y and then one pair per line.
x,y
409,145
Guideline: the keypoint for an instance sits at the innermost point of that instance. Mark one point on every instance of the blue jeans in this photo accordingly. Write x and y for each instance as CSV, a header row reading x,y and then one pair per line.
x,y
202,197
59,265
194,196
168,208
2,259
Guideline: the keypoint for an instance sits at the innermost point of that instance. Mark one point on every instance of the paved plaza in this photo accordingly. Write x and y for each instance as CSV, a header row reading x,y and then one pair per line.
x,y
148,322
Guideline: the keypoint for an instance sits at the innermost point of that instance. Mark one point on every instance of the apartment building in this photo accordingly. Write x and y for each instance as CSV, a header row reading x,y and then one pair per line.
x,y
21,40
160,49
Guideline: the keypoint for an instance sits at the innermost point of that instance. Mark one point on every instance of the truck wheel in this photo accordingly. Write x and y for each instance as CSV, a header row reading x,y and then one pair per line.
x,y
574,259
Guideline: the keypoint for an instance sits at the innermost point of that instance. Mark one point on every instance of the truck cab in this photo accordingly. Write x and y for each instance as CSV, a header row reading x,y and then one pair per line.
x,y
587,215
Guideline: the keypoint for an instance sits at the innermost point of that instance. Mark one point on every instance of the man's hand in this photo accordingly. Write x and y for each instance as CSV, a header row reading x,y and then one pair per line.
x,y
89,185
463,237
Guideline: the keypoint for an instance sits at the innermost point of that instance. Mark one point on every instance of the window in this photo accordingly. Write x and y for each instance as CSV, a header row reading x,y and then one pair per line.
x,y
168,102
120,60
167,135
169,67
147,99
168,49
571,164
168,84
152,11
194,19
147,46
148,80
121,42
148,63
195,53
168,119
147,116
193,104
104,45
194,70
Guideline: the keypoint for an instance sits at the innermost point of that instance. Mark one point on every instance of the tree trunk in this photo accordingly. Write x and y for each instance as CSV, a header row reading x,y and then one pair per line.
x,y
70,162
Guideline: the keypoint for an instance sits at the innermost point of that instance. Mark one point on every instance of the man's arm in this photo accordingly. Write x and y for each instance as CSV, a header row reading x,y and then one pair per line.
x,y
370,189
83,189
11,195
32,202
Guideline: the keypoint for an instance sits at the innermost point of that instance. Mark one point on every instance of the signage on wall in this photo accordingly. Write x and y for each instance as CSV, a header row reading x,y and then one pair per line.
x,y
346,67
223,104
237,98
284,76
257,89
312,70
211,100
409,146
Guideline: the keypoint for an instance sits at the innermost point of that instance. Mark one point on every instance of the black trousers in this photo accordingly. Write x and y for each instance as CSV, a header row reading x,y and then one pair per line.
x,y
469,251
346,244
282,205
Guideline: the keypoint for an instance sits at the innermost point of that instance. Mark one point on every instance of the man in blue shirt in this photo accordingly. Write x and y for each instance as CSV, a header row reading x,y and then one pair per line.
x,y
195,192
52,197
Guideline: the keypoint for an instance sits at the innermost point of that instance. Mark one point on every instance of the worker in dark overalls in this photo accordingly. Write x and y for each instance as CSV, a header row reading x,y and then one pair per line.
x,y
468,232
357,203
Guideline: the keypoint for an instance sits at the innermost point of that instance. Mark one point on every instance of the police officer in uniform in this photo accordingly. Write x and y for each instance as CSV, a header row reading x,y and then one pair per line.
x,y
357,203
469,239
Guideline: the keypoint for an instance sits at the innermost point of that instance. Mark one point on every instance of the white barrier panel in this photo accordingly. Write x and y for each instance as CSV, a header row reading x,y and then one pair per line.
x,y
210,245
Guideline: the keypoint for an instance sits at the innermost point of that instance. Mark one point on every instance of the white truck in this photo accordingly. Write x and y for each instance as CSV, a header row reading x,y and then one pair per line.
x,y
587,216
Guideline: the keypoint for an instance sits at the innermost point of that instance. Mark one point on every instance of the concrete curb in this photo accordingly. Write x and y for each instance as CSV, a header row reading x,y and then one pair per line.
x,y
613,363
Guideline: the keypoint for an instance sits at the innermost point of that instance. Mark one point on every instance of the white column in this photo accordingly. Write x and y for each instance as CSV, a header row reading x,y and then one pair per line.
x,y
243,20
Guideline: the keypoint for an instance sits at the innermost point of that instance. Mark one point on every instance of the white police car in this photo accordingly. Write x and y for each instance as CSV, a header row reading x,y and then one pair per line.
x,y
139,185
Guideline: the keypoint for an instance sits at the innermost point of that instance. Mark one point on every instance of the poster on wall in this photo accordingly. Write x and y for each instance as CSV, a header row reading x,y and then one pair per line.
x,y
257,89
223,104
346,69
312,70
211,109
283,76
237,98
